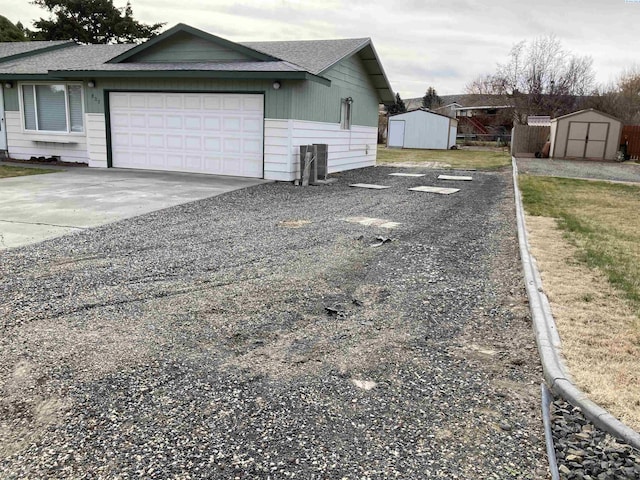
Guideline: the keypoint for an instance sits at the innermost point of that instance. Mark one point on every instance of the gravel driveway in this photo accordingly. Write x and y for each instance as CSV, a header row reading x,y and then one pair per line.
x,y
620,172
195,342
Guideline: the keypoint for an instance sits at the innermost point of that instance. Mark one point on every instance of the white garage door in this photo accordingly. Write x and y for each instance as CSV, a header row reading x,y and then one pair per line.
x,y
188,132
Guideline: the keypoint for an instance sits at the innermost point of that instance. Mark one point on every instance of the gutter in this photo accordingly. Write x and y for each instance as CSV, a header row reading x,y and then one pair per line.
x,y
548,340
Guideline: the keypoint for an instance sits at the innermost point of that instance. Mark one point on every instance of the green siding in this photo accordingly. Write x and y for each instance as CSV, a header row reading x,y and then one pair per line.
x,y
349,78
11,103
277,102
184,47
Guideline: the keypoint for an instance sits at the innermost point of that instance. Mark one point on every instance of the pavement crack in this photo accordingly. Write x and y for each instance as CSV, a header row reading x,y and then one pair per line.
x,y
45,224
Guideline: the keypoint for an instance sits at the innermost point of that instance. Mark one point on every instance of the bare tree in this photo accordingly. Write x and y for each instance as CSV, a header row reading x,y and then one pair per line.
x,y
621,98
540,77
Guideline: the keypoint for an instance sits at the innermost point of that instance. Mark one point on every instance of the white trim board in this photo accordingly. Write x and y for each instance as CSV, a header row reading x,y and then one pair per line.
x,y
400,174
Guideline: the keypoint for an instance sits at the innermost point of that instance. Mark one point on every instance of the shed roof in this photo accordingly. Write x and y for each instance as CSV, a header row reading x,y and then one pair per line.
x,y
423,110
572,114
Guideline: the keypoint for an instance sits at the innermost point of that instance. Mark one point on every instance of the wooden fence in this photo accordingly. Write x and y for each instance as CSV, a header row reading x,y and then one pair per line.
x,y
526,140
631,137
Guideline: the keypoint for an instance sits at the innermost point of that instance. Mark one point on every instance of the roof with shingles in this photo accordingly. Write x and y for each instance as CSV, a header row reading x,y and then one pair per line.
x,y
86,57
307,57
11,49
315,56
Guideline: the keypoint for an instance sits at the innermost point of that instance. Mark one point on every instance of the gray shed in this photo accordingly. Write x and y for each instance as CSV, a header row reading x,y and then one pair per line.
x,y
588,134
422,129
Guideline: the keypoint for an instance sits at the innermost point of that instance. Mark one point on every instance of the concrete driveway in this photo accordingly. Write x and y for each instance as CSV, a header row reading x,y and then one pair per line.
x,y
38,207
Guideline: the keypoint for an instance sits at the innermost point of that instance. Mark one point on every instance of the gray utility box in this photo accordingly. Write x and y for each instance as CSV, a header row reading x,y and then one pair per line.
x,y
318,167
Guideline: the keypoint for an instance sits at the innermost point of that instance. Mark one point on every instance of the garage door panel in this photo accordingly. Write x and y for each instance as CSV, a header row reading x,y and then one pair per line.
x,y
251,147
231,102
118,100
174,142
212,144
156,141
174,161
193,143
207,133
173,121
155,121
138,140
137,120
193,123
173,101
155,101
232,145
253,104
137,101
212,123
253,125
120,140
231,124
192,102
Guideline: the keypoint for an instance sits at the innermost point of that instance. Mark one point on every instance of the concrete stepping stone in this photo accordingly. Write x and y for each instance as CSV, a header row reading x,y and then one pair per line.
x,y
455,177
372,222
369,185
400,174
440,190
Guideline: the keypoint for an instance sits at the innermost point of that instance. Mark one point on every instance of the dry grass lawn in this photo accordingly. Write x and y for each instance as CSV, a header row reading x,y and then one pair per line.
x,y
585,237
480,159
7,171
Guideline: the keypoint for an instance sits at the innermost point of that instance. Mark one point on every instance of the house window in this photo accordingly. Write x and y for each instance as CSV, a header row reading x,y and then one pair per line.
x,y
345,113
53,107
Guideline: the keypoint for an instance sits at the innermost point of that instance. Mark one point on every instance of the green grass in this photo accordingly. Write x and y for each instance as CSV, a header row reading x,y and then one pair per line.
x,y
478,159
7,171
599,218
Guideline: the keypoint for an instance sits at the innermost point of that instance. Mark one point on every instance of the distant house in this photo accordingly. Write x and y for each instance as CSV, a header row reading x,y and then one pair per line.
x,y
423,129
189,101
477,114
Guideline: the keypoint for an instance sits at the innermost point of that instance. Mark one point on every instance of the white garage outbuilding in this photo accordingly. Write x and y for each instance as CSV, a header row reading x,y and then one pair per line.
x,y
422,129
586,134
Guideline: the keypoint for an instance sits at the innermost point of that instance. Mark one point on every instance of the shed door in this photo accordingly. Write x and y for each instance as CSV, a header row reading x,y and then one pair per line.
x,y
587,140
396,133
188,132
597,140
577,139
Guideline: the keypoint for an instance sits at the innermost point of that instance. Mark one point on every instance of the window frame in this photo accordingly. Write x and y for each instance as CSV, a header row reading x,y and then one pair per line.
x,y
37,131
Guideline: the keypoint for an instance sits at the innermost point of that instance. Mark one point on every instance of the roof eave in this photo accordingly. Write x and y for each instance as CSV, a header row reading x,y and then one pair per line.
x,y
385,93
250,75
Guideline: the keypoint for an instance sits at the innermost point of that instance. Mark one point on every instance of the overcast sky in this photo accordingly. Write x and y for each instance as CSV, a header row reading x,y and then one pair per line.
x,y
422,43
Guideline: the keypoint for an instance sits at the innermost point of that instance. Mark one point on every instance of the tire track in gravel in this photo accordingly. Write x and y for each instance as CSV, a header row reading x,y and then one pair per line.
x,y
248,376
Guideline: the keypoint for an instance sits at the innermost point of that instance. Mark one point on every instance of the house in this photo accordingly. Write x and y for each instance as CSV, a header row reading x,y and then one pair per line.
x,y
190,101
11,51
422,128
586,134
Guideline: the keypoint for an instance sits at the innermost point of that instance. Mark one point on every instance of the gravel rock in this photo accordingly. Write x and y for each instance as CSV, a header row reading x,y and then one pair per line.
x,y
583,451
621,172
194,342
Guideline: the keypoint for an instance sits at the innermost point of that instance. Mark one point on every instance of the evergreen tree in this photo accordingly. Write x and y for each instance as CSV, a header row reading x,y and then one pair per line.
x,y
397,107
10,32
431,99
90,21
